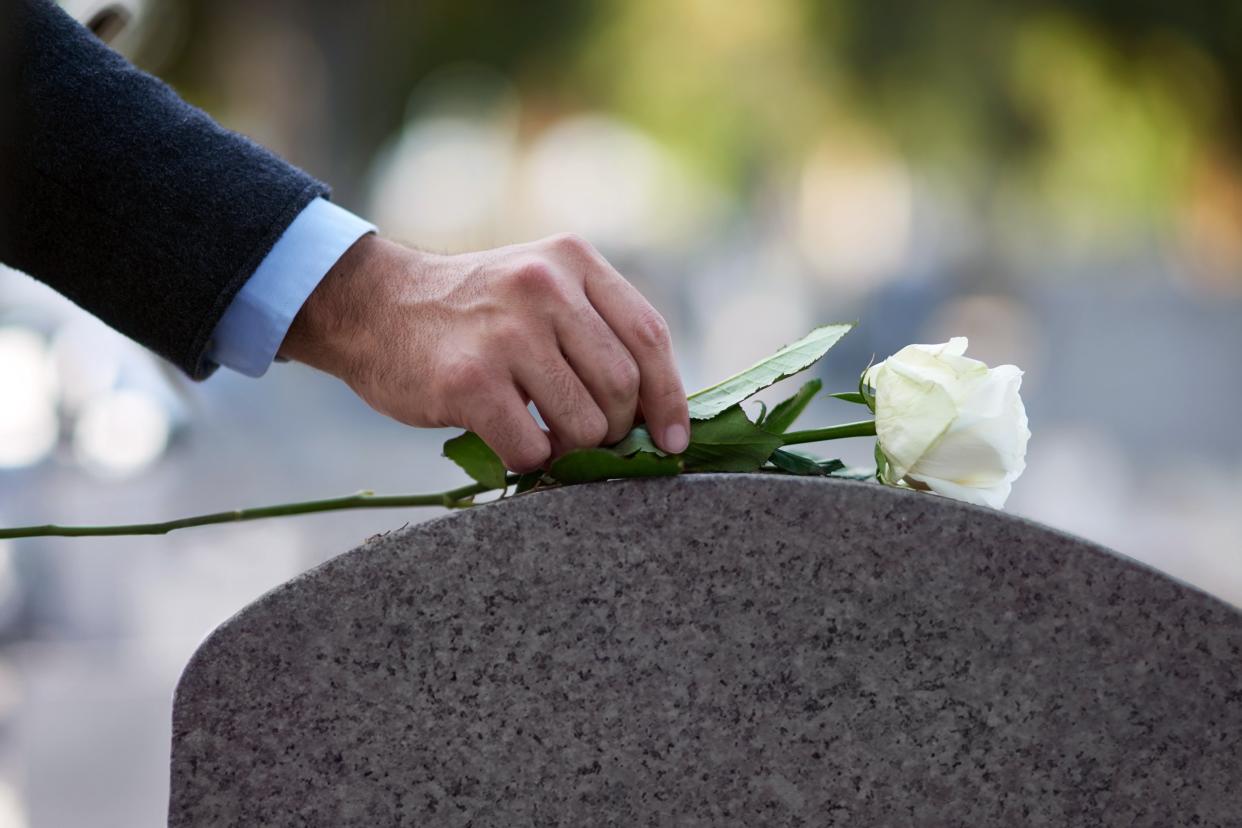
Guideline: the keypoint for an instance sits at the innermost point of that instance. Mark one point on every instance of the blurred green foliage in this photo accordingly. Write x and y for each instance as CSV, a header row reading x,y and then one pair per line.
x,y
1096,106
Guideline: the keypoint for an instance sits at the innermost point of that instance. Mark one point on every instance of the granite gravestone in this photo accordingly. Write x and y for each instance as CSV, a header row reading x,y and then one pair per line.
x,y
717,651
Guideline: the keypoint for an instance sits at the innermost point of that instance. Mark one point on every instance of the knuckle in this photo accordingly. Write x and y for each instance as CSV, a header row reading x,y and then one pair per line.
x,y
590,429
535,276
466,375
665,401
531,452
652,331
572,244
671,393
596,428
624,380
672,400
518,448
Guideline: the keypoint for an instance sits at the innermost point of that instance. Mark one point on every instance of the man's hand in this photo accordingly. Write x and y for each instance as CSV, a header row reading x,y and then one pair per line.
x,y
469,340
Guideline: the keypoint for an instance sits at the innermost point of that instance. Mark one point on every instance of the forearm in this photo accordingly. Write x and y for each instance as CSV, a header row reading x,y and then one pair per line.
x,y
126,199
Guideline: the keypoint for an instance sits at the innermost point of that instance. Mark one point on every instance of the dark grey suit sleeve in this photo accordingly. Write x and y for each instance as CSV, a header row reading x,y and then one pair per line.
x,y
123,197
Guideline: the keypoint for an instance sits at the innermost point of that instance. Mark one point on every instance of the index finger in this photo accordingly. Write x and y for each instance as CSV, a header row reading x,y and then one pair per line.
x,y
645,334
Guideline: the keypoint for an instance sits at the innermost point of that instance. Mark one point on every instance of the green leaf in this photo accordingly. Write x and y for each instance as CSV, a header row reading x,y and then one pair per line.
x,y
639,439
853,473
881,463
784,414
729,442
850,396
795,463
864,390
527,481
589,465
786,362
477,459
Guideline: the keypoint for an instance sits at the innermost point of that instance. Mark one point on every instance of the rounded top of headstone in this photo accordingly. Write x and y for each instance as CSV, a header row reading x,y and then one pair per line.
x,y
717,650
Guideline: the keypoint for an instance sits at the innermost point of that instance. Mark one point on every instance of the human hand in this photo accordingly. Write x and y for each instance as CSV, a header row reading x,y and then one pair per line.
x,y
468,340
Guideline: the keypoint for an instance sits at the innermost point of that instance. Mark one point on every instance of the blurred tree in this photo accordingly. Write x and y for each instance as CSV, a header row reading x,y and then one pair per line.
x,y
1100,110
373,53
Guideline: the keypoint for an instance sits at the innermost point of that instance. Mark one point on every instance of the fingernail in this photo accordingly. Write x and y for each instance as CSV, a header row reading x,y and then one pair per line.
x,y
676,438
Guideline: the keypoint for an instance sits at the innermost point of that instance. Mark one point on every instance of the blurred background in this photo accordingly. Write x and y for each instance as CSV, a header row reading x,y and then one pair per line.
x,y
1059,181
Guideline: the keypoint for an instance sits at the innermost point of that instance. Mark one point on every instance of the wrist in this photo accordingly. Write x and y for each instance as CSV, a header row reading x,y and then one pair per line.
x,y
326,331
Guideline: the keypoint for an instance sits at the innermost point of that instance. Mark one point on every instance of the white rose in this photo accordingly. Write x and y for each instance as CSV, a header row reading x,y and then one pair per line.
x,y
949,422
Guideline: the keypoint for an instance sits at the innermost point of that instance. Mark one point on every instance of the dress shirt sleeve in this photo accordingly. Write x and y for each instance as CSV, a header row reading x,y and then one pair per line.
x,y
254,325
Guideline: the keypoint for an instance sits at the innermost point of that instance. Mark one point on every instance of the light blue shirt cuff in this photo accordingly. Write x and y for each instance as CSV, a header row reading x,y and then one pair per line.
x,y
254,325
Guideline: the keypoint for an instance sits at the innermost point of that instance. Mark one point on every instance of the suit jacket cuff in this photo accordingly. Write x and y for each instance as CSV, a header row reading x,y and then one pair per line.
x,y
254,325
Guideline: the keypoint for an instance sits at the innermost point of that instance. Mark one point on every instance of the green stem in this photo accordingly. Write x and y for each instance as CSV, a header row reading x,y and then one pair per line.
x,y
451,499
862,428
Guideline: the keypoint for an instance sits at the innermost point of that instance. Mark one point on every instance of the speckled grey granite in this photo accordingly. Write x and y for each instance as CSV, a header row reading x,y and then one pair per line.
x,y
717,651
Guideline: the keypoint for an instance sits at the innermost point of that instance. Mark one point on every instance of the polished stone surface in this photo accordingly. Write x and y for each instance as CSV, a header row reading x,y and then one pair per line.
x,y
717,651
